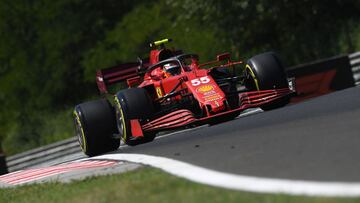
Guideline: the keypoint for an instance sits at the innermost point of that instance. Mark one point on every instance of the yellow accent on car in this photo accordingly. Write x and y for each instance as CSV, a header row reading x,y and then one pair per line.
x,y
159,92
77,117
253,76
122,117
205,88
160,42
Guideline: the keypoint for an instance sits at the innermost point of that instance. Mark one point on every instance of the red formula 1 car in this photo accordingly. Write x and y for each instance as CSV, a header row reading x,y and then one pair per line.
x,y
171,90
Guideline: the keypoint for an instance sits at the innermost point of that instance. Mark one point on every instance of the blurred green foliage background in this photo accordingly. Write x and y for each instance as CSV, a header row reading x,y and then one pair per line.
x,y
49,50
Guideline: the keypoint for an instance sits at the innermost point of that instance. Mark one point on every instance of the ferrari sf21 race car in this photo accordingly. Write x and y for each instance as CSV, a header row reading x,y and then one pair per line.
x,y
170,90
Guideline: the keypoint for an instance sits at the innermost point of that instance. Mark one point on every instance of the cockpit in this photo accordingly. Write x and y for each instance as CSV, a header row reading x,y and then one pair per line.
x,y
173,66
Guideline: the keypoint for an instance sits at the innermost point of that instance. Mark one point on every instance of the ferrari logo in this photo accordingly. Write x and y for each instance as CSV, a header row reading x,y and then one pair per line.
x,y
159,92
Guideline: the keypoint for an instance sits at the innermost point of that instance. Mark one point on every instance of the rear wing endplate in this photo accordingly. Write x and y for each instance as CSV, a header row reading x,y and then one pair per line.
x,y
109,76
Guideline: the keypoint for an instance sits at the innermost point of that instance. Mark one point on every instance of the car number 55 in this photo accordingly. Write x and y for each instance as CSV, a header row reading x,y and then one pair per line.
x,y
198,81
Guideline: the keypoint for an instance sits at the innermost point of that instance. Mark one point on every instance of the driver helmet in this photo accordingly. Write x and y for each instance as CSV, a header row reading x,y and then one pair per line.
x,y
172,68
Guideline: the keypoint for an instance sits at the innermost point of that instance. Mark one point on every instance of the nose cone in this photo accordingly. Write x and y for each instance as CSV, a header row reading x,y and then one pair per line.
x,y
211,95
206,91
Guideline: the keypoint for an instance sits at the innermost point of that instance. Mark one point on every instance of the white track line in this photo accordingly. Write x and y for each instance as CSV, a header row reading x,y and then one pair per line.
x,y
240,182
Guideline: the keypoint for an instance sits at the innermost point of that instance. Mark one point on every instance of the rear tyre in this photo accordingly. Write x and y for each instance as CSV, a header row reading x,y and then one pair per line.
x,y
95,127
134,103
265,72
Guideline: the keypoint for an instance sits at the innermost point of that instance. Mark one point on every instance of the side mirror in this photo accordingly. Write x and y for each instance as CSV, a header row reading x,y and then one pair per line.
x,y
222,57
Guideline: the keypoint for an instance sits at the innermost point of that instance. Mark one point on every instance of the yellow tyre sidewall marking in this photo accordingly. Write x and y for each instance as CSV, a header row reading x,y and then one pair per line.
x,y
77,117
253,76
122,117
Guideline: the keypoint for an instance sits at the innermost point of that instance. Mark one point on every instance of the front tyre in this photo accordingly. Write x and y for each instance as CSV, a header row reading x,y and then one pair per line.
x,y
133,103
95,127
266,72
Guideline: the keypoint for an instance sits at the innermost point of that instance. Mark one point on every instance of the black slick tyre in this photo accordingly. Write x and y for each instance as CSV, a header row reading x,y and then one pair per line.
x,y
95,127
265,72
133,103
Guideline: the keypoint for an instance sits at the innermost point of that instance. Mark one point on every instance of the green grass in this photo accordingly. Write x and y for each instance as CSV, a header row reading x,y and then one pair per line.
x,y
142,185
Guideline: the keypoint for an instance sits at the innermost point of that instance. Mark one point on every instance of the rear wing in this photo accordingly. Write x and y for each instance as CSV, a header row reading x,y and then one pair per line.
x,y
113,75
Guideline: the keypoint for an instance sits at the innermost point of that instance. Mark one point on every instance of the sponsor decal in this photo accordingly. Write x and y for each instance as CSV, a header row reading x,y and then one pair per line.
x,y
212,92
212,97
205,88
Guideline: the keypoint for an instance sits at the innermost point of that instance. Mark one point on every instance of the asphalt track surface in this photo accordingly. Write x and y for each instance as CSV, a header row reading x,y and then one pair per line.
x,y
318,140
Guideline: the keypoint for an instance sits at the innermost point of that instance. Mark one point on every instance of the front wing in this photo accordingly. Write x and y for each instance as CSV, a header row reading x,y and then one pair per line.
x,y
184,117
